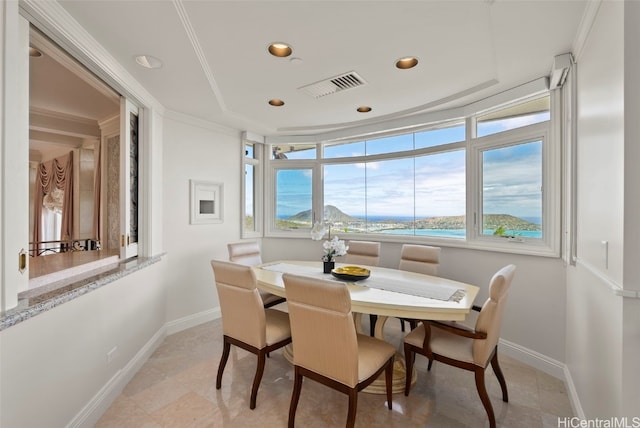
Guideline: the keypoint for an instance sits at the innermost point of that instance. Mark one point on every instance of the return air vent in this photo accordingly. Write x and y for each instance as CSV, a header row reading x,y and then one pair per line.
x,y
335,84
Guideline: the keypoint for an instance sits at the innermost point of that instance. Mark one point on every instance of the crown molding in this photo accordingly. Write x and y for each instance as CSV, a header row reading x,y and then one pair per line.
x,y
56,23
201,123
60,116
586,23
197,48
63,124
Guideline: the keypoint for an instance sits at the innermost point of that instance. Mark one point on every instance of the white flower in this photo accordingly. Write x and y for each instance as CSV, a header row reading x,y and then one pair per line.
x,y
334,248
318,230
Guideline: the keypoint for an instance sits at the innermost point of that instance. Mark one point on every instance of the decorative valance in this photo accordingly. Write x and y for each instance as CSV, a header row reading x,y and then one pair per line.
x,y
54,190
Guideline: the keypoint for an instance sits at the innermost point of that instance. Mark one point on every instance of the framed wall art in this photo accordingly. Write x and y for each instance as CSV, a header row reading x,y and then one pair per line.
x,y
206,202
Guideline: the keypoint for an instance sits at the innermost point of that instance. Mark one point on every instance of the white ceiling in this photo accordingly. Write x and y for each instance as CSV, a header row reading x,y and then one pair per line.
x,y
217,68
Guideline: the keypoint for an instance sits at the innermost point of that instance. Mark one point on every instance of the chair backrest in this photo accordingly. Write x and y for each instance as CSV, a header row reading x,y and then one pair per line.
x,y
246,253
363,252
322,328
243,316
420,258
490,318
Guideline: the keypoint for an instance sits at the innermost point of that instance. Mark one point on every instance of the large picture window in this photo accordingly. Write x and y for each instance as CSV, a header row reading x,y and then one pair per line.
x,y
478,182
419,195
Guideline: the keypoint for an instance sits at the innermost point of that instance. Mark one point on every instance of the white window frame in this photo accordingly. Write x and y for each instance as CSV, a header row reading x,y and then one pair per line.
x,y
549,243
258,189
270,193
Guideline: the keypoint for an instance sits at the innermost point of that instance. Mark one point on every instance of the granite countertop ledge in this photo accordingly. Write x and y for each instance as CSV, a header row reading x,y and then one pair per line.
x,y
39,300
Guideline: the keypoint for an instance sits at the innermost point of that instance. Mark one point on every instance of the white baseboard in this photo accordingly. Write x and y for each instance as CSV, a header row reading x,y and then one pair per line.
x,y
573,395
532,358
95,408
549,366
184,323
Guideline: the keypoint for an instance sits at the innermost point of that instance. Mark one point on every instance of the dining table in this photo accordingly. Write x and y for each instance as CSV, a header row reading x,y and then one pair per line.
x,y
385,292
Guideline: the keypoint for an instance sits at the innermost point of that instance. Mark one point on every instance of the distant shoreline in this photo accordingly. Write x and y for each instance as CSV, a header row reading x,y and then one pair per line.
x,y
505,225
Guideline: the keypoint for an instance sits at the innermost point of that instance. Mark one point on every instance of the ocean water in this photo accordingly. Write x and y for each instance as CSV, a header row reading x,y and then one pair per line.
x,y
457,233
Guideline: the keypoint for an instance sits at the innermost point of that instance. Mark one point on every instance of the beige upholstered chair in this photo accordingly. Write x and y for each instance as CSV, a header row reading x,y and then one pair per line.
x,y
421,259
469,349
326,347
245,322
248,253
363,253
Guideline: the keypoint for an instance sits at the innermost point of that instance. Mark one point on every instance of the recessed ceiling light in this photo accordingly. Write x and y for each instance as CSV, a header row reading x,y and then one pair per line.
x,y
276,102
148,61
280,50
407,62
363,109
33,52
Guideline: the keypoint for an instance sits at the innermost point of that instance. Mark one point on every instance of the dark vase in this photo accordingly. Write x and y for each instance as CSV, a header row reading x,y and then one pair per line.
x,y
328,266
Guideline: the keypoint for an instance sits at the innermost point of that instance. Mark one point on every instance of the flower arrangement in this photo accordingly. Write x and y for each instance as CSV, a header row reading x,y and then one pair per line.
x,y
332,247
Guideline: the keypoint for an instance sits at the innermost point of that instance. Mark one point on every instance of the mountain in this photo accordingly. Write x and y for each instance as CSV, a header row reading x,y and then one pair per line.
x,y
331,214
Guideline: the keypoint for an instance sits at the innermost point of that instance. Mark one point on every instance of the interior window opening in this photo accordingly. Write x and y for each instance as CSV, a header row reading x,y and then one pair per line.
x,y
76,168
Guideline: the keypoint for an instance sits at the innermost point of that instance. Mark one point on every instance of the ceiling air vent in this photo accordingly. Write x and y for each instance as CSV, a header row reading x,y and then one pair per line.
x,y
335,84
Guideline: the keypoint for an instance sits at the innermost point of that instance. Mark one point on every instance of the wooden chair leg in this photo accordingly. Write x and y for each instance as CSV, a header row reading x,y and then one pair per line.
x,y
257,378
429,365
409,358
484,397
388,378
223,362
295,396
498,371
402,325
372,324
353,404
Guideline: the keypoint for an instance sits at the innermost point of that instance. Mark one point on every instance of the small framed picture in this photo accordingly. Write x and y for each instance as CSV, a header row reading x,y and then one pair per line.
x,y
206,202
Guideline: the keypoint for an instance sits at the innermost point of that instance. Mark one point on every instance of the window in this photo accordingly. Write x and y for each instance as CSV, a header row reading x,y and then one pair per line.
x,y
437,184
293,199
252,189
512,190
404,196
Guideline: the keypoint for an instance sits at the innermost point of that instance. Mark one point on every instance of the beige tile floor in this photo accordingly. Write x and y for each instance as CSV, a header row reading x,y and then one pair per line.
x,y
176,388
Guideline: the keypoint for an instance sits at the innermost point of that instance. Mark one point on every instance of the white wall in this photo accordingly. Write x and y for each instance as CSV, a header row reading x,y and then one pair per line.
x,y
631,307
201,152
598,321
54,364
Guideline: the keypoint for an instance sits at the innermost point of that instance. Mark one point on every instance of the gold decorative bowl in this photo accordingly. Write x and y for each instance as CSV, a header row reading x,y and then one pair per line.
x,y
351,273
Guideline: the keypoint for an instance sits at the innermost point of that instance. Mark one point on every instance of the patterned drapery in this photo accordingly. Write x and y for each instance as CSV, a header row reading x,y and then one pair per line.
x,y
54,174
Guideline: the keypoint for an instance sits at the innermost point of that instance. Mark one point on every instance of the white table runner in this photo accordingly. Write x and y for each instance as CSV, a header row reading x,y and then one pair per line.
x,y
380,281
